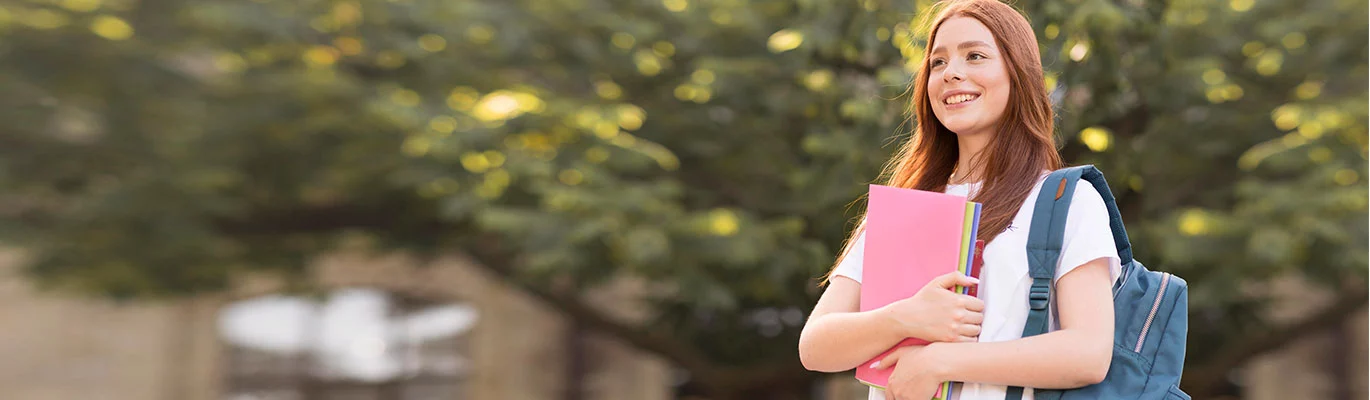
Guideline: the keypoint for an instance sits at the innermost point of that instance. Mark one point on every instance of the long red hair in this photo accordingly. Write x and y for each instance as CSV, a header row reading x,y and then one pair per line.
x,y
1015,156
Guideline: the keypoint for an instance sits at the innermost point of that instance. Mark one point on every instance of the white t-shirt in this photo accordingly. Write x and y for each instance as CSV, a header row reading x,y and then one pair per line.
x,y
1004,281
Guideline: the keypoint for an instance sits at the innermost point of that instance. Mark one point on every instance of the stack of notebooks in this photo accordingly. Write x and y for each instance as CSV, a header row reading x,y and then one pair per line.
x,y
913,236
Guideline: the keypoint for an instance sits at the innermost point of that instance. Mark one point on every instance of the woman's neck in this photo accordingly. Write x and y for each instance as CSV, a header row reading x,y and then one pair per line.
x,y
970,147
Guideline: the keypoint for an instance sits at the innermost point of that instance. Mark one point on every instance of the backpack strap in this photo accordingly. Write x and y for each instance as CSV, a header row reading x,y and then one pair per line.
x,y
1044,245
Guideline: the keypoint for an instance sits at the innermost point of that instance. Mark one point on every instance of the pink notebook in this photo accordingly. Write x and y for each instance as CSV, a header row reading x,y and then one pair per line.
x,y
912,236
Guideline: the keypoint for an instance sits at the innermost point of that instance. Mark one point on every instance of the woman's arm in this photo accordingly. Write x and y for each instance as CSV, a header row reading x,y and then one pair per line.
x,y
838,337
1076,355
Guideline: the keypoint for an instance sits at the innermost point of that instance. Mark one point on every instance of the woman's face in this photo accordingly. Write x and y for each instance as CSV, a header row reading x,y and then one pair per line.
x,y
968,84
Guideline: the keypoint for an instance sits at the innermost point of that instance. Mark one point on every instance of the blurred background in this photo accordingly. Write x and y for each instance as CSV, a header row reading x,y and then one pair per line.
x,y
614,199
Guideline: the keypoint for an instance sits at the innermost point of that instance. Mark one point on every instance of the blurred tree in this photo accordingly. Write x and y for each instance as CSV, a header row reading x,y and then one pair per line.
x,y
712,148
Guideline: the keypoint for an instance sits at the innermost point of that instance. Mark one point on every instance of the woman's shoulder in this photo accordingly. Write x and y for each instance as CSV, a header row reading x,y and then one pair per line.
x,y
1087,204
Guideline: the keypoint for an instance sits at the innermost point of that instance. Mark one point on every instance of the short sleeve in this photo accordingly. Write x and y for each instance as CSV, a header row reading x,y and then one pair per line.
x,y
1088,235
851,264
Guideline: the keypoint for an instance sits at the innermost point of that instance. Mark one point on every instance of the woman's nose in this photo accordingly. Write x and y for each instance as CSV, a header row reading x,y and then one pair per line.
x,y
952,73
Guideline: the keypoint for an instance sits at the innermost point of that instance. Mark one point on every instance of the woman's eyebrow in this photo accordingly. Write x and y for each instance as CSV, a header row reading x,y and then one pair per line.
x,y
963,45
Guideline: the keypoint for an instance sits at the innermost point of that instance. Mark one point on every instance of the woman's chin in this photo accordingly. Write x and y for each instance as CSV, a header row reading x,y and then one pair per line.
x,y
960,128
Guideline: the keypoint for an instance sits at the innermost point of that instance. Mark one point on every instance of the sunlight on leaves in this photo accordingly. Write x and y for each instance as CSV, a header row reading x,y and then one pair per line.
x,y
480,33
320,56
818,80
1269,63
462,98
1195,222
702,77
663,49
571,177
647,63
1311,129
596,155
608,90
1096,138
623,40
676,5
1079,51
1346,177
81,5
504,105
1320,154
416,146
1294,40
442,124
630,117
432,43
1051,31
348,45
1214,76
723,222
1308,90
785,40
1286,117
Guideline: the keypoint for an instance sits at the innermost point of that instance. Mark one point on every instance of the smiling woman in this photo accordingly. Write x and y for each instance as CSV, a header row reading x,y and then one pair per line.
x,y
968,96
984,131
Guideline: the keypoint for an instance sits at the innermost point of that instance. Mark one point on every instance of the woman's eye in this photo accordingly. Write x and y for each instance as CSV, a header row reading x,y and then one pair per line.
x,y
976,56
937,62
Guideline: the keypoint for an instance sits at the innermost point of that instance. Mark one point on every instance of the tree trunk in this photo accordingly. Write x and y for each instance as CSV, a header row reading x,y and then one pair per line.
x,y
576,364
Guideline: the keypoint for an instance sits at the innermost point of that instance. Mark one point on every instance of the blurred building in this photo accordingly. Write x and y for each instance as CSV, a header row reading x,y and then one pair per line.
x,y
382,329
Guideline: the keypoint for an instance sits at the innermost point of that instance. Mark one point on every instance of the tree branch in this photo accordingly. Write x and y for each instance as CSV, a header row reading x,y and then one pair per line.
x,y
1207,377
648,339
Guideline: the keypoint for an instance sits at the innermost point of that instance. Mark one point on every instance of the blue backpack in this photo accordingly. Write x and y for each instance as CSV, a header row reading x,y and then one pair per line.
x,y
1150,308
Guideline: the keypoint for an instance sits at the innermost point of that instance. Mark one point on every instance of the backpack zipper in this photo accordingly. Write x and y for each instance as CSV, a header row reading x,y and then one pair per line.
x,y
1165,281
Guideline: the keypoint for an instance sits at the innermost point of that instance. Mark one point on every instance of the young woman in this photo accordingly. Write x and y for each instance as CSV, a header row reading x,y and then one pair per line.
x,y
985,131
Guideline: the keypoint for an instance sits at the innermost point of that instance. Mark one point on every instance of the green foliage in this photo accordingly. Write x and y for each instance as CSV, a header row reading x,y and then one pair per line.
x,y
714,148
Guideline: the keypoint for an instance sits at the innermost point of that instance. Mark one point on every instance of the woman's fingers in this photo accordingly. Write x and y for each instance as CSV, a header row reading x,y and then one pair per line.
x,y
976,318
951,280
968,330
971,303
889,360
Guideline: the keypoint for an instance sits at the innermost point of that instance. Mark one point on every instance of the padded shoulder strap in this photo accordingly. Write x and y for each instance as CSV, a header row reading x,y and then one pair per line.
x,y
1045,237
1049,218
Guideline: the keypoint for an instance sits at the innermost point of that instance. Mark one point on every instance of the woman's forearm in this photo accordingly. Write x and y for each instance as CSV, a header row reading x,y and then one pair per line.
x,y
841,341
1062,359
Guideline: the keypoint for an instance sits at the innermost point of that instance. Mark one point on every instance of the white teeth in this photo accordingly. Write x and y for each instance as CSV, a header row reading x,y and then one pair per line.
x,y
961,98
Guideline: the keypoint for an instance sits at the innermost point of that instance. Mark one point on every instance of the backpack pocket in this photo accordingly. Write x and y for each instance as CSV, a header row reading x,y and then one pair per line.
x,y
1127,375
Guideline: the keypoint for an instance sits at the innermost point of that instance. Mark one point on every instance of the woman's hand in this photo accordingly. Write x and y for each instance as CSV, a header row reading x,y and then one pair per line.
x,y
937,314
917,374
